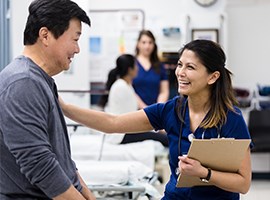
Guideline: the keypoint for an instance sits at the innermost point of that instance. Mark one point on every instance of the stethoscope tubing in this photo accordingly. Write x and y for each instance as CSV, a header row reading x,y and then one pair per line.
x,y
190,136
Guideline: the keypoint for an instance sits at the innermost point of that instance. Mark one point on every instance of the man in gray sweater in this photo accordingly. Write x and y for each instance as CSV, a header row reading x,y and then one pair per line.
x,y
34,144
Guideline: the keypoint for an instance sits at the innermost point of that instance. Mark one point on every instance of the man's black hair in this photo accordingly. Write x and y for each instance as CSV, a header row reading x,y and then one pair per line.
x,y
53,14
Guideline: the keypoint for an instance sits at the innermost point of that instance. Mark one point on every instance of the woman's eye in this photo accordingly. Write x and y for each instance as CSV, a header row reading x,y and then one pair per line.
x,y
179,65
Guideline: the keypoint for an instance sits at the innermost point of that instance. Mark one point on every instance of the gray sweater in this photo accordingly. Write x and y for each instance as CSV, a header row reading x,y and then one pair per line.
x,y
34,144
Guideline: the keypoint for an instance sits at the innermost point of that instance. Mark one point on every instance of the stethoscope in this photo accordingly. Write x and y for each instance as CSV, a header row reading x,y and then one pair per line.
x,y
191,136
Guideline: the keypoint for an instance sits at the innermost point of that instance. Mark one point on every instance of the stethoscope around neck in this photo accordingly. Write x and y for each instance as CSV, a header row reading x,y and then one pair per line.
x,y
191,136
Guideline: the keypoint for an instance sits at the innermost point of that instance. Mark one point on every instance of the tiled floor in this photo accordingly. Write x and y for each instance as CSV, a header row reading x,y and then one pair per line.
x,y
259,190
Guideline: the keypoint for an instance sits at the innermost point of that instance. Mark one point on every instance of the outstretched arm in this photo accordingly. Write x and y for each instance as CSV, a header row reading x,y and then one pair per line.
x,y
108,123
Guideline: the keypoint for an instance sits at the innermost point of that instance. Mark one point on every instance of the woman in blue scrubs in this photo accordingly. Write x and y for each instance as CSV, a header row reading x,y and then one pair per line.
x,y
204,109
151,83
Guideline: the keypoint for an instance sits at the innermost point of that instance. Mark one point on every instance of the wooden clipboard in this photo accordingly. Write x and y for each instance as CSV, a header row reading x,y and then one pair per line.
x,y
225,154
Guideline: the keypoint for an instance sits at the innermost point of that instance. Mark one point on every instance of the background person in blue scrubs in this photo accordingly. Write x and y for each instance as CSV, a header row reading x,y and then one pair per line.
x,y
205,108
151,84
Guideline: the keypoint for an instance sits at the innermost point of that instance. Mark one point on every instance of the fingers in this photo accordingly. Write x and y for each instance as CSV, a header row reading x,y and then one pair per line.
x,y
182,164
184,159
188,166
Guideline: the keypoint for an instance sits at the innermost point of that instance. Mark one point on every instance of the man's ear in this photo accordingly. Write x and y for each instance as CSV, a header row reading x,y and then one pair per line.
x,y
213,77
44,35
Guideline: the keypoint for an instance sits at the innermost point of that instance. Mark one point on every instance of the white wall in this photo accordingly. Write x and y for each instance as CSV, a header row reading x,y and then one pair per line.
x,y
245,32
249,42
18,12
159,14
171,13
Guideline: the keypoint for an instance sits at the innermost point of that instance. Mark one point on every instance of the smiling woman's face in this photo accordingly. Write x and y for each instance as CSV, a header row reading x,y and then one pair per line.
x,y
191,74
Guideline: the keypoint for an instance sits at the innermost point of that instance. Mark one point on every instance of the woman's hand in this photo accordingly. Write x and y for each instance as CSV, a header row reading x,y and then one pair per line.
x,y
191,167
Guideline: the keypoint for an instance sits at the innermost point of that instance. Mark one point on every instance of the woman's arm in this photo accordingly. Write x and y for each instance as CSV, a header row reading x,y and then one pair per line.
x,y
105,122
163,92
233,182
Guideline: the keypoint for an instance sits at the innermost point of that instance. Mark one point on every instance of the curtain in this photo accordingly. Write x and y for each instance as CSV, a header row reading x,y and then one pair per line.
x,y
4,33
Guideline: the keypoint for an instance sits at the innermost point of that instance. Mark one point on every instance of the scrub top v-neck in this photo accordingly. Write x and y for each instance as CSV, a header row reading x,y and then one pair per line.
x,y
147,83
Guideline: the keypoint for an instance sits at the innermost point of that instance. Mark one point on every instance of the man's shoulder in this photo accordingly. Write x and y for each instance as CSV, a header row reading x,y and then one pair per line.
x,y
19,68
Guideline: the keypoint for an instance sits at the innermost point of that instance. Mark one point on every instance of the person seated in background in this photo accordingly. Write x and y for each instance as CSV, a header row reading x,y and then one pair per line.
x,y
151,84
122,99
121,96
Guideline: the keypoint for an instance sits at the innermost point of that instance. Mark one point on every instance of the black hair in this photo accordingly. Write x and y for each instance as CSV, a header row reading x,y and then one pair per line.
x,y
222,96
53,14
123,64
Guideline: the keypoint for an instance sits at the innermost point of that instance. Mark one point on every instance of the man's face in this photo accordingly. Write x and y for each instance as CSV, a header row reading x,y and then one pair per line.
x,y
62,50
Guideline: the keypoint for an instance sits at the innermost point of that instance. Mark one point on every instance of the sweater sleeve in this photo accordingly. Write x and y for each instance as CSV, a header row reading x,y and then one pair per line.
x,y
25,114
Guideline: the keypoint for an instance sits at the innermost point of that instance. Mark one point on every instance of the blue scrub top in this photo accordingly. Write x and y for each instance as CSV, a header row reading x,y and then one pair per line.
x,y
147,83
164,116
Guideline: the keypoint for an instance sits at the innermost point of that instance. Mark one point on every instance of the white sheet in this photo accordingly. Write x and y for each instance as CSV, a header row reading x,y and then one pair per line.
x,y
111,172
115,173
88,147
119,164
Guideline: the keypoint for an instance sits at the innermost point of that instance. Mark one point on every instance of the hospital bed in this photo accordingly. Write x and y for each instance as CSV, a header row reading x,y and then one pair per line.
x,y
110,192
118,179
92,146
115,171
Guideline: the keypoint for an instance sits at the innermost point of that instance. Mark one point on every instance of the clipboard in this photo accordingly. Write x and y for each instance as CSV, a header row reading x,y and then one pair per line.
x,y
222,154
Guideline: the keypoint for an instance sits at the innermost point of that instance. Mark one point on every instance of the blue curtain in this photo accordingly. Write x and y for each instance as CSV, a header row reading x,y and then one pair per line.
x,y
4,34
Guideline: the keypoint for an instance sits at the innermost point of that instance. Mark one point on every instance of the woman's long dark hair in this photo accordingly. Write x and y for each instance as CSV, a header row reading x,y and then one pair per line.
x,y
123,63
155,62
222,96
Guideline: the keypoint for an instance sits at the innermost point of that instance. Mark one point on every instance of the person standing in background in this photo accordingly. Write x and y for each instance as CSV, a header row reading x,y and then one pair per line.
x,y
151,83
122,99
35,151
